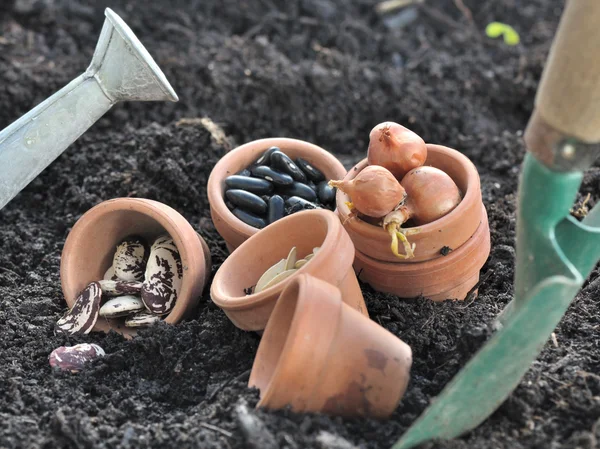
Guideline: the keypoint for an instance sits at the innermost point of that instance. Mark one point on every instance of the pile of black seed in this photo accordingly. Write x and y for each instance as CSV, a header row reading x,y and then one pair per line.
x,y
275,186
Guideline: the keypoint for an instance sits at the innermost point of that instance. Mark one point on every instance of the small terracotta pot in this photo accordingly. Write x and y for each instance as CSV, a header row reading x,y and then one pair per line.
x,y
447,277
464,231
319,355
452,230
90,246
233,230
304,230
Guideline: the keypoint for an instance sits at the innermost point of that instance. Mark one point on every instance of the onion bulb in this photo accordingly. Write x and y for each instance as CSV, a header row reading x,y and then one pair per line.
x,y
374,191
430,194
396,148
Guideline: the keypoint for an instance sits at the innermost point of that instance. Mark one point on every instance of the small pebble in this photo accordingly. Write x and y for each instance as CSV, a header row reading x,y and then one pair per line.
x,y
83,315
253,185
130,259
312,173
73,358
326,193
265,158
299,189
274,176
282,162
247,201
276,209
121,306
249,218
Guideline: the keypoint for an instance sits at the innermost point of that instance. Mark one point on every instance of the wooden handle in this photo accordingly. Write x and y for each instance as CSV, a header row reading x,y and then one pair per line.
x,y
568,97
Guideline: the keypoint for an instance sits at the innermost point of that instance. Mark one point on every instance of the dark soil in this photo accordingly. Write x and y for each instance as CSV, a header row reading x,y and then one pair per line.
x,y
320,70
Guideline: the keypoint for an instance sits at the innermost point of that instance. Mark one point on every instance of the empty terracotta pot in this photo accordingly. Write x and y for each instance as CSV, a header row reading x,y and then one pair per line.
x,y
317,354
430,273
305,230
90,246
233,230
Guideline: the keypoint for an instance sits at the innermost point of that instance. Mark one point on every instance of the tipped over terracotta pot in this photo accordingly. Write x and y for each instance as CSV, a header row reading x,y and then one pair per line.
x,y
233,230
449,251
90,246
317,354
303,230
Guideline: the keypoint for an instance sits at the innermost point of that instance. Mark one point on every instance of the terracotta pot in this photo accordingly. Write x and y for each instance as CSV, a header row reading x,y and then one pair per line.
x,y
232,229
90,246
304,230
447,277
451,230
319,355
464,231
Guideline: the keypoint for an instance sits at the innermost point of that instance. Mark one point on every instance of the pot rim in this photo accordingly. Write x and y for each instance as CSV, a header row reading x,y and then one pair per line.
x,y
215,185
307,311
476,251
330,244
473,192
165,218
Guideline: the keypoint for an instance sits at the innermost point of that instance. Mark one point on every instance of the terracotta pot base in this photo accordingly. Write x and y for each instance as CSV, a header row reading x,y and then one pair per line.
x,y
90,247
435,279
318,354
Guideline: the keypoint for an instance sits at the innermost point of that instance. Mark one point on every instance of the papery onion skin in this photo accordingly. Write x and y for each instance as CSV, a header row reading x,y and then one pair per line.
x,y
396,148
431,194
374,191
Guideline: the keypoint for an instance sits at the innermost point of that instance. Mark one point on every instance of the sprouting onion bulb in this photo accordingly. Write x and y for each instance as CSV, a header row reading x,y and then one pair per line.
x,y
430,194
396,148
374,191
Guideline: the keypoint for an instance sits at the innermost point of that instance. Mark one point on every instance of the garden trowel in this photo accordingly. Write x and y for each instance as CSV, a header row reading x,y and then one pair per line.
x,y
555,252
121,69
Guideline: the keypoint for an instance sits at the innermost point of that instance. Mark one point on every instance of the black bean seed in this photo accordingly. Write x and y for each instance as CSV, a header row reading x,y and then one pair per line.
x,y
249,218
312,173
244,172
299,189
282,162
247,201
274,176
229,205
276,208
266,156
296,204
326,193
253,185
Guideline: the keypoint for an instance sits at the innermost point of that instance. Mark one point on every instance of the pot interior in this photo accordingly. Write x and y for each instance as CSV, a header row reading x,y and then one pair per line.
x,y
94,249
453,168
244,267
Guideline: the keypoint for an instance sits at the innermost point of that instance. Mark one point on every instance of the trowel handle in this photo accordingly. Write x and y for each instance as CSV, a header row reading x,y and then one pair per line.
x,y
568,97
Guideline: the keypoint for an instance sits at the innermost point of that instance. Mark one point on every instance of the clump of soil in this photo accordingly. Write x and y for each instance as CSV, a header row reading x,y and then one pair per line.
x,y
323,71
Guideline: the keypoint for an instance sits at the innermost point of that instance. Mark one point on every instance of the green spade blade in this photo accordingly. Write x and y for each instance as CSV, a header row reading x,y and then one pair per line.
x,y
555,253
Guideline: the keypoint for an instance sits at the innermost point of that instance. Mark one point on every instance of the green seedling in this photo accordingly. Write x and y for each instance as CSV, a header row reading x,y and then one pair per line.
x,y
508,33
